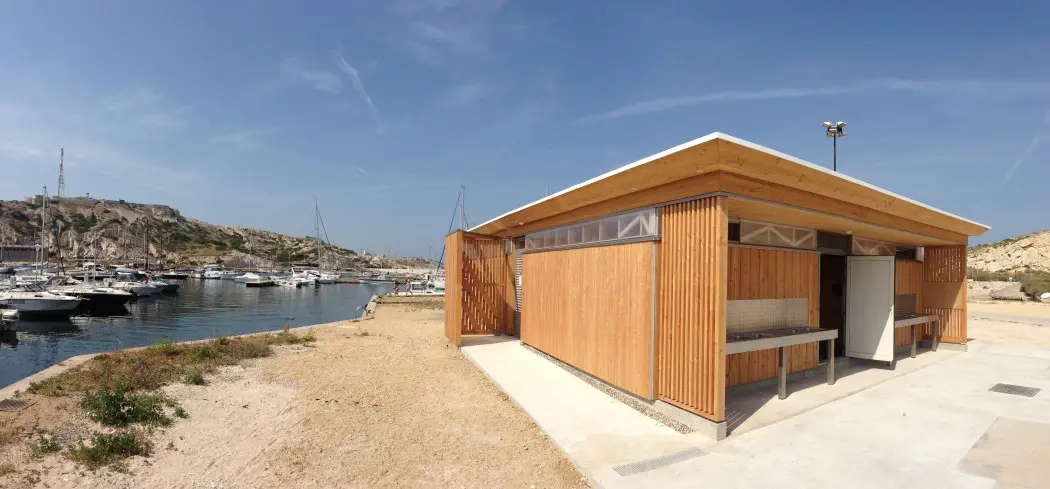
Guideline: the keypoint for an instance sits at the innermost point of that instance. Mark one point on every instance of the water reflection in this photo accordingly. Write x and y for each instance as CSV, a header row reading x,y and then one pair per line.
x,y
201,309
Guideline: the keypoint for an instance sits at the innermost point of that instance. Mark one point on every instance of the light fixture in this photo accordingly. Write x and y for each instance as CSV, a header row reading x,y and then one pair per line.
x,y
834,131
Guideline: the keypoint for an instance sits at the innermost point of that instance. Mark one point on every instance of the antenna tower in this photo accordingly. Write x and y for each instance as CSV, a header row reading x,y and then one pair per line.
x,y
61,174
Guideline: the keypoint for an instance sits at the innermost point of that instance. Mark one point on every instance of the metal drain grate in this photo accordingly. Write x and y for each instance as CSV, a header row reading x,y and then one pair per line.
x,y
1017,390
13,405
658,462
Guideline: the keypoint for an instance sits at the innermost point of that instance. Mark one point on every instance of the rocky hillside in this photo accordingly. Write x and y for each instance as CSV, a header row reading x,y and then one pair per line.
x,y
1026,252
123,232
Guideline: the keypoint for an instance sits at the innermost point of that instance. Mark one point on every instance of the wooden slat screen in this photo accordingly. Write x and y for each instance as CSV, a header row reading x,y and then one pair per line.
x,y
592,308
773,274
485,281
908,277
454,287
944,290
691,306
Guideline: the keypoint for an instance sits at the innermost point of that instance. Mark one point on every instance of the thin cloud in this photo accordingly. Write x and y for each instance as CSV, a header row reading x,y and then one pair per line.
x,y
949,87
322,80
131,100
361,172
464,95
245,140
359,87
1032,145
164,119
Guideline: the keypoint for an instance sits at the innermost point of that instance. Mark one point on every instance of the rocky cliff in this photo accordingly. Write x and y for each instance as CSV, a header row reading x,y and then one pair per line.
x,y
1026,252
124,232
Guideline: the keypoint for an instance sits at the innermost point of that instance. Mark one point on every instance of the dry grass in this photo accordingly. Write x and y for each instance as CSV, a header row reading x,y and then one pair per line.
x,y
165,362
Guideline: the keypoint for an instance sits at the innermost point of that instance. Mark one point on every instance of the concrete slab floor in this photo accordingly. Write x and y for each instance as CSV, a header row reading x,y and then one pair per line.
x,y
919,426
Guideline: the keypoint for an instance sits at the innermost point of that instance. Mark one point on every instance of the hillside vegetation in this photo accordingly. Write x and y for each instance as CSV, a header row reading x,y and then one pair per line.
x,y
119,232
1024,259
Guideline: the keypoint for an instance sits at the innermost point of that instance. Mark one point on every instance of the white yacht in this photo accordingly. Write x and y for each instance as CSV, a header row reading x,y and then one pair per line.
x,y
131,282
376,279
32,301
216,272
98,299
255,280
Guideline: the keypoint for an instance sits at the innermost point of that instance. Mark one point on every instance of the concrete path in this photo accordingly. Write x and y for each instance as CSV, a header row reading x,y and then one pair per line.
x,y
936,426
596,431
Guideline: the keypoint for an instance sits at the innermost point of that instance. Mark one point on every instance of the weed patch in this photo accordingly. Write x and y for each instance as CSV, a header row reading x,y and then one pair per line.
x,y
106,448
44,443
194,377
165,362
117,407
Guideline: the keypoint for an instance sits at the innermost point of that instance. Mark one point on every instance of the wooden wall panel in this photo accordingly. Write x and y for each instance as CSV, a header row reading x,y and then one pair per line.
x,y
485,282
773,274
908,277
944,290
592,308
454,287
691,306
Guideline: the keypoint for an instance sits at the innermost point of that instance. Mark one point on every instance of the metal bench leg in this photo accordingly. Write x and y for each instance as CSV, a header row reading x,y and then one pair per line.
x,y
782,371
914,338
831,361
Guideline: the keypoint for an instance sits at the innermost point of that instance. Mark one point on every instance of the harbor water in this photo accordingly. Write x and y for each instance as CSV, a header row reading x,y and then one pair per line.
x,y
201,309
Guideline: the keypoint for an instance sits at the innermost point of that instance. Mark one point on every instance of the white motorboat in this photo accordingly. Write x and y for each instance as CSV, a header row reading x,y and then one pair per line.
x,y
286,282
255,280
216,272
32,301
376,279
130,282
164,286
97,299
8,317
417,287
322,277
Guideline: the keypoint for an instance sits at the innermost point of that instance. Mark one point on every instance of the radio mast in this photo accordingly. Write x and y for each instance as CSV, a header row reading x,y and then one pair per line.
x,y
61,174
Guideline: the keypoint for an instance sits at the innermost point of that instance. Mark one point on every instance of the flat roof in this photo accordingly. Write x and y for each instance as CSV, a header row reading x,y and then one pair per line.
x,y
712,153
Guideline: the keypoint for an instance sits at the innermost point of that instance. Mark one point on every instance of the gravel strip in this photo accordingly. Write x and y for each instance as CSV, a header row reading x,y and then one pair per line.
x,y
628,399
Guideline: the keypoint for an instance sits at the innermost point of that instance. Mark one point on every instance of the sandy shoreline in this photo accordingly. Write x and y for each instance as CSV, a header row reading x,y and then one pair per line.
x,y
380,403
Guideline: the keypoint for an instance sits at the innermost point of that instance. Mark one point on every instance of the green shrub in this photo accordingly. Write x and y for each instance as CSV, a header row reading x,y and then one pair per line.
x,y
164,347
194,377
45,443
117,407
106,448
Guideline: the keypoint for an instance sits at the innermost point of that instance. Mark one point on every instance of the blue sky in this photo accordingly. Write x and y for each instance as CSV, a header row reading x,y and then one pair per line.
x,y
238,112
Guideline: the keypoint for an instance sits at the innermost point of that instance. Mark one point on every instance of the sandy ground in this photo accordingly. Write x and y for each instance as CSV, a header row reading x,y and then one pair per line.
x,y
1013,308
1009,323
381,403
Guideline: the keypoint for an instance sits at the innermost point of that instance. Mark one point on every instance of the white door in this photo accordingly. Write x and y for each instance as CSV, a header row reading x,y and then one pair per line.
x,y
869,307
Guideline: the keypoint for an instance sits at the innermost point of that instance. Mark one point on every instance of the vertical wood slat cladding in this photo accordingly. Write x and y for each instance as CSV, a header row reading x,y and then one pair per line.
x,y
944,290
691,306
592,308
454,287
485,281
773,274
908,277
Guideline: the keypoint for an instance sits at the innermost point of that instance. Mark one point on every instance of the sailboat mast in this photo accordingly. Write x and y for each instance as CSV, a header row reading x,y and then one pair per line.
x,y
317,231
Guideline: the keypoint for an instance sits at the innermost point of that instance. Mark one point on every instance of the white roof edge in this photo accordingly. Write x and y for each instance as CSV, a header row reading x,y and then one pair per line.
x,y
736,140
608,174
843,176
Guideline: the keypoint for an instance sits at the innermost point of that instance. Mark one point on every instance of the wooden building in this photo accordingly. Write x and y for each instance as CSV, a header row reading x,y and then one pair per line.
x,y
651,277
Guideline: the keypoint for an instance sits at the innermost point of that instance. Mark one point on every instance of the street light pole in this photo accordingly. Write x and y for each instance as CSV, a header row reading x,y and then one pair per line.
x,y
835,131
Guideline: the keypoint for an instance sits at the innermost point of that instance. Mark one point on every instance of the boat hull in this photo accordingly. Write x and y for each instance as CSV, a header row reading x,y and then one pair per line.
x,y
42,308
102,303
